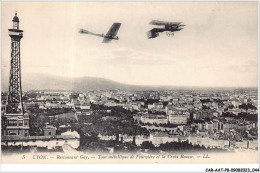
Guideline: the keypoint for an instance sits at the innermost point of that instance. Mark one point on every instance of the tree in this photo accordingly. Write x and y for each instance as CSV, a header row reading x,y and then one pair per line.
x,y
147,145
247,106
133,141
117,137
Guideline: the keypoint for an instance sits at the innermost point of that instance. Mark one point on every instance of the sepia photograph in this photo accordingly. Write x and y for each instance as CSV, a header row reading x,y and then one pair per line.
x,y
129,82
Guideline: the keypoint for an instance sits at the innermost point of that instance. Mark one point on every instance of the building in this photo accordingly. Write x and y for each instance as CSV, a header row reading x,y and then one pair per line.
x,y
85,106
175,110
209,126
49,130
158,138
48,142
178,118
151,118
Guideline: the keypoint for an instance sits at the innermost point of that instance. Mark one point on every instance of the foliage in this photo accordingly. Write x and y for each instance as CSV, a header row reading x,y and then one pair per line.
x,y
247,106
170,146
205,101
125,123
249,117
147,145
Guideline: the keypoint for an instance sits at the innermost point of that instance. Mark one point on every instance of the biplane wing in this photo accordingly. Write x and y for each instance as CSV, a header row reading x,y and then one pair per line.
x,y
157,22
113,29
154,32
106,40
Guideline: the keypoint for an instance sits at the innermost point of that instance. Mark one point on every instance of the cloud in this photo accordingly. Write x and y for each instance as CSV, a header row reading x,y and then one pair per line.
x,y
249,66
127,56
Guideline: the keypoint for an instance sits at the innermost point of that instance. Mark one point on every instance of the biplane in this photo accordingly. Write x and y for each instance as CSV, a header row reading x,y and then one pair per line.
x,y
169,27
111,34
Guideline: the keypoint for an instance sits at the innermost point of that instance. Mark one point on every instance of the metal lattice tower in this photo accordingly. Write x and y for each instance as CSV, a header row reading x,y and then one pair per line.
x,y
14,100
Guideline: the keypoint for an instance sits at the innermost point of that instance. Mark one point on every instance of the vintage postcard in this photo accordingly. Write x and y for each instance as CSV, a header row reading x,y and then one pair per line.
x,y
129,82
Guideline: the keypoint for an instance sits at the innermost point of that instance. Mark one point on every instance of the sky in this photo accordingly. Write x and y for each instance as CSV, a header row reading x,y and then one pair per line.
x,y
217,47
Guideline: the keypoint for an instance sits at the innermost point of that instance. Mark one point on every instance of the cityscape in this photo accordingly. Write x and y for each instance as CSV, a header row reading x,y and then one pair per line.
x,y
220,119
98,117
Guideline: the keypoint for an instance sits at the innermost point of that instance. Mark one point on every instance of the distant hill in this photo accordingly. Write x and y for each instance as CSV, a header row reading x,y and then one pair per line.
x,y
47,82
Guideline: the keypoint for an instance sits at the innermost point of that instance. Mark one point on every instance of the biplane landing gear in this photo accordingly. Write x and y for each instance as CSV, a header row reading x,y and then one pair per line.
x,y
170,34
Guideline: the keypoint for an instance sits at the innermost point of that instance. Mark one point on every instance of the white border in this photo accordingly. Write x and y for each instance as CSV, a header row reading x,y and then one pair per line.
x,y
118,167
127,167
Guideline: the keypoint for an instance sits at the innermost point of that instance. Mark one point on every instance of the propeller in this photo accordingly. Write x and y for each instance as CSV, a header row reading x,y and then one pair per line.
x,y
83,31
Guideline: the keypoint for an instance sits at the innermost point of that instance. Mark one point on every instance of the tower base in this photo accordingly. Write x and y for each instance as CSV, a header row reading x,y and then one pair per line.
x,y
15,125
